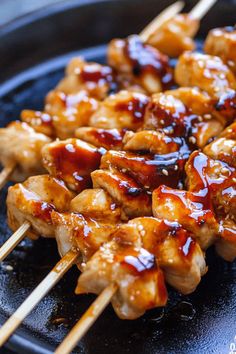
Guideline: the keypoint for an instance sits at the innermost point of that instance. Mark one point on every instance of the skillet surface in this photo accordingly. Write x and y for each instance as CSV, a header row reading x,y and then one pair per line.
x,y
201,323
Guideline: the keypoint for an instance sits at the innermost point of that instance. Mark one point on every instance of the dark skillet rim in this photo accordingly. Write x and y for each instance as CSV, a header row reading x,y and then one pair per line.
x,y
22,342
44,12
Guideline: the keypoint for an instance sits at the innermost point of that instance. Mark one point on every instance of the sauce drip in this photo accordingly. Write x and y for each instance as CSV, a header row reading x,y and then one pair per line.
x,y
146,59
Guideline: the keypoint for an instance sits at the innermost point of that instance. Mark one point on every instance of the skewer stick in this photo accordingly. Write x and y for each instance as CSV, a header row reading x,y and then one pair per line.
x,y
5,173
158,21
87,320
201,9
39,292
13,240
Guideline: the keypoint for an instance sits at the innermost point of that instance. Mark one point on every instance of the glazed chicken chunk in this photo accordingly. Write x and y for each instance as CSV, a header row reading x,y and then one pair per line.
x,y
207,72
83,234
167,112
139,280
62,115
222,43
124,110
72,160
33,201
139,63
97,204
175,35
125,192
96,79
224,147
21,145
176,252
208,209
106,138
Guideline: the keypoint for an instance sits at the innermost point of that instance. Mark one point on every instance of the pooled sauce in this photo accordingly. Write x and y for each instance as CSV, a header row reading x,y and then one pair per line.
x,y
136,106
75,161
146,59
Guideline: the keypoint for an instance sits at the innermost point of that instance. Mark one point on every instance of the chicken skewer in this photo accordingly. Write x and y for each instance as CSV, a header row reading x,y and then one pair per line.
x,y
189,96
177,122
227,250
132,193
112,288
168,13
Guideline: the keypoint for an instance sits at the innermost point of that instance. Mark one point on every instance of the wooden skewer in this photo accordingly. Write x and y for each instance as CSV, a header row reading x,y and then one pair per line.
x,y
158,21
87,320
5,173
201,9
39,292
16,238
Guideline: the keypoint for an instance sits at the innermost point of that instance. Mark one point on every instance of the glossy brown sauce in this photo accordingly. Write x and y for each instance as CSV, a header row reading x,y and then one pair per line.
x,y
76,162
146,59
100,75
108,138
135,106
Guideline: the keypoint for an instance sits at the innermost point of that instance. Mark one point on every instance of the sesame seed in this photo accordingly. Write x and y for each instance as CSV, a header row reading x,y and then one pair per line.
x,y
140,227
165,172
192,140
176,167
142,233
207,116
162,122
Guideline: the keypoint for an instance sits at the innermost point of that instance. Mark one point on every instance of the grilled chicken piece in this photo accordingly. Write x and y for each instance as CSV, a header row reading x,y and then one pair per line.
x,y
207,72
63,114
215,179
226,245
200,103
96,79
139,63
75,231
168,113
106,138
125,191
21,145
149,171
217,182
124,110
189,210
151,141
175,35
224,147
134,270
34,201
222,43
72,160
96,204
176,252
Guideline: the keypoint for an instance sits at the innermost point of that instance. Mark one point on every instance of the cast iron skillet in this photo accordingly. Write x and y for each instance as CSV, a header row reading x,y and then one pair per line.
x,y
33,51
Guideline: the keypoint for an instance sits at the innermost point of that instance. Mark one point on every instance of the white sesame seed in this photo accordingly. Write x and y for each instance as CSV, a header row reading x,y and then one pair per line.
x,y
192,140
142,233
207,116
162,122
176,167
165,172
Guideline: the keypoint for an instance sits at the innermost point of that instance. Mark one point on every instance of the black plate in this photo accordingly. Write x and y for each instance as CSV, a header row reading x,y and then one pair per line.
x,y
33,51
